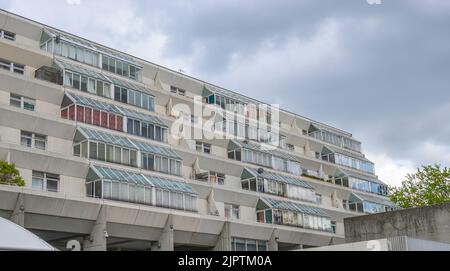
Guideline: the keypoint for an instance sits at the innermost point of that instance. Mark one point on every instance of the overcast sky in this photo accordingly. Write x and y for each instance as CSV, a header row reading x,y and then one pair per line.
x,y
381,72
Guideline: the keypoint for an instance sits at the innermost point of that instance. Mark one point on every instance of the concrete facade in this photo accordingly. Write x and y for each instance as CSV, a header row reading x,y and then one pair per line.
x,y
428,223
224,215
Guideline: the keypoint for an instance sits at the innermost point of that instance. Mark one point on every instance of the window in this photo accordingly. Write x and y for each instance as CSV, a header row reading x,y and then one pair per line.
x,y
22,102
84,83
231,211
32,140
148,161
178,91
7,35
278,163
203,147
333,226
318,199
45,181
215,177
119,67
11,66
239,244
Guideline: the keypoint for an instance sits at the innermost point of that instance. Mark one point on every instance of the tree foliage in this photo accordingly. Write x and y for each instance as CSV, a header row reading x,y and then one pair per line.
x,y
428,186
10,175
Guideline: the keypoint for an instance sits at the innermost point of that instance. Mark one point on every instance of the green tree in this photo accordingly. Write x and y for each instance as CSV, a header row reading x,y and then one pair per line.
x,y
428,186
9,174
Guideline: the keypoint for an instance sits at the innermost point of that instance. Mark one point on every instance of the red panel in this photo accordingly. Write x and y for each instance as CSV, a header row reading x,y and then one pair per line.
x,y
80,113
104,119
64,113
96,118
88,115
72,112
119,123
112,121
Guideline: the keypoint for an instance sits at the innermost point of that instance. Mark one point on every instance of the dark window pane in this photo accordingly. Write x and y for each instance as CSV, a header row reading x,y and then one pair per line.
x,y
117,93
137,127
124,98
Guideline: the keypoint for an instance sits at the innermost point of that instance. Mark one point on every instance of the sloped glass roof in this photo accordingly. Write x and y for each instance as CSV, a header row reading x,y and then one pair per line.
x,y
145,180
145,147
294,207
122,176
129,85
171,185
106,138
81,70
279,178
141,116
81,100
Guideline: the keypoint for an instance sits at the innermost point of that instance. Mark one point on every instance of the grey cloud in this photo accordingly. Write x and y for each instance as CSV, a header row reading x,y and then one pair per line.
x,y
387,80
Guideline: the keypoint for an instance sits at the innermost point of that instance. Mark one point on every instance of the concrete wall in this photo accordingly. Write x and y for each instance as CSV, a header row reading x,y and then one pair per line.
x,y
429,223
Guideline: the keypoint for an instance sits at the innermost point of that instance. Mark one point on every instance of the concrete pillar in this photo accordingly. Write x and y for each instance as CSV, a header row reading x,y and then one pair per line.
x,y
97,241
224,240
272,245
18,215
165,242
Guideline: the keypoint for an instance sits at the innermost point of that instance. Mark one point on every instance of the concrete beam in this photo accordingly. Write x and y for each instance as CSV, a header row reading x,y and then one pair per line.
x,y
272,244
97,240
18,214
165,242
224,240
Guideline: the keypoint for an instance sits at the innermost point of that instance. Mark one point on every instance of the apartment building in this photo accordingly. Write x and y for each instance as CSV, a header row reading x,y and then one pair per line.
x,y
96,132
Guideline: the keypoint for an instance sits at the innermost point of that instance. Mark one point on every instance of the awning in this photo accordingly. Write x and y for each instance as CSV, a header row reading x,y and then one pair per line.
x,y
16,238
81,100
129,85
291,206
145,147
142,117
107,138
125,176
81,70
275,177
359,197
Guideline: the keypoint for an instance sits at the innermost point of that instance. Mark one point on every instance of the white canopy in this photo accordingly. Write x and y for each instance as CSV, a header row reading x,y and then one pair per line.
x,y
14,237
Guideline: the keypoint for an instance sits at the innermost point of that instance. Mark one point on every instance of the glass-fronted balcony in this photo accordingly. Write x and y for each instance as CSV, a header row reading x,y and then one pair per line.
x,y
262,181
362,203
289,213
334,138
360,182
121,185
86,110
254,153
88,53
102,146
341,158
